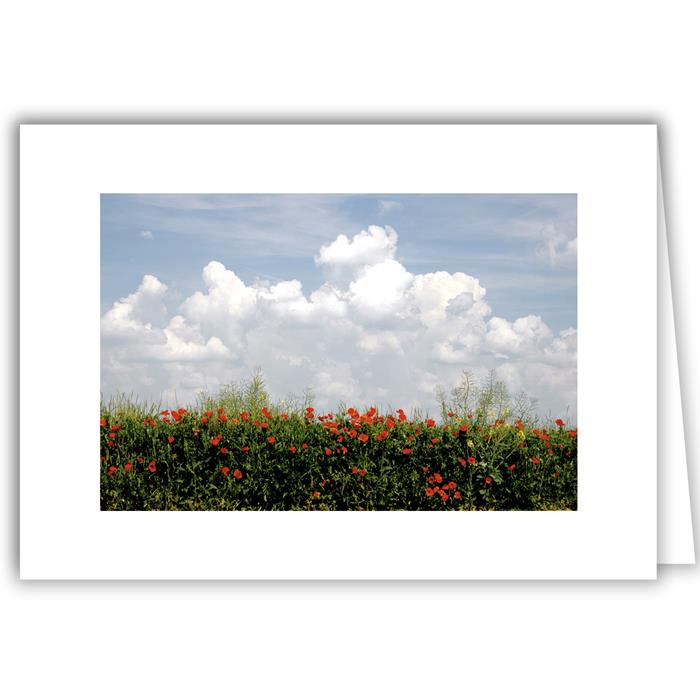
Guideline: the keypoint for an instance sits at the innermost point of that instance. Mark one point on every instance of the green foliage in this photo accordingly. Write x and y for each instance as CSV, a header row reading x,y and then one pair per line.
x,y
236,451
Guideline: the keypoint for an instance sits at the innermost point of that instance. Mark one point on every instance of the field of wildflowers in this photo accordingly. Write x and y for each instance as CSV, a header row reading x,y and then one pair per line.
x,y
221,458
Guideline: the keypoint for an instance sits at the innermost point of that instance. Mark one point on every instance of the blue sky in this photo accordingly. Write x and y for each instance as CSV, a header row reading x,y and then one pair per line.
x,y
365,298
495,238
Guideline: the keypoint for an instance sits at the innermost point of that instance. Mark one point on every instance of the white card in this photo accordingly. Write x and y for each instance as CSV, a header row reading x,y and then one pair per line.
x,y
611,169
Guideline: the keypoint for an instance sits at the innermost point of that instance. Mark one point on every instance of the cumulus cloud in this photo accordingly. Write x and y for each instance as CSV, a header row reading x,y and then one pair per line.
x,y
147,235
373,332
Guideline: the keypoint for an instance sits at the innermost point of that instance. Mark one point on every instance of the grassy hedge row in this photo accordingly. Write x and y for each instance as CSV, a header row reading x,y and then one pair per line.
x,y
268,460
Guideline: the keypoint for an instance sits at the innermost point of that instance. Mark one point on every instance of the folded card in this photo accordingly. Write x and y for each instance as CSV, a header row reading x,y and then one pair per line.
x,y
344,352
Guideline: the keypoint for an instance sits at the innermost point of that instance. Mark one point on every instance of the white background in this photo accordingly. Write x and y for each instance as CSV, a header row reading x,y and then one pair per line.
x,y
64,170
498,61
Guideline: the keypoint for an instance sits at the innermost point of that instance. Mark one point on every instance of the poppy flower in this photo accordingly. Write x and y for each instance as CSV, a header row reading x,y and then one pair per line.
x,y
438,478
139,459
304,446
112,471
328,452
557,473
444,496
354,470
238,474
450,415
429,491
362,437
425,469
245,449
208,414
216,440
225,470
271,440
534,460
510,468
103,422
463,428
128,467
195,431
245,416
164,413
435,441
151,466
472,460
264,425
323,484
362,472
429,422
112,436
406,451
457,495
224,451
111,444
559,422
204,420
488,480
176,416
293,450
316,494
462,461
171,439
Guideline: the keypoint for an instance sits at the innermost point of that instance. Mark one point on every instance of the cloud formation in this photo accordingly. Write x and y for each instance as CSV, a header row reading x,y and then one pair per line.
x,y
371,333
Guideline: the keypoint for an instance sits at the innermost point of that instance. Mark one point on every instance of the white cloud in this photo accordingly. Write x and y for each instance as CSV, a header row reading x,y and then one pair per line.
x,y
147,235
557,247
385,206
372,333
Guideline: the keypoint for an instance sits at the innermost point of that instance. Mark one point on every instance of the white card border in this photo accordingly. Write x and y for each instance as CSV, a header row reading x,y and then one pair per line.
x,y
612,168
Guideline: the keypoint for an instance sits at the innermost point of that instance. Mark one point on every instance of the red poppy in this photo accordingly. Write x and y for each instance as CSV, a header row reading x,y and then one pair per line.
x,y
463,428
139,459
151,466
182,411
245,416
304,446
488,480
328,452
176,416
103,422
204,420
271,440
354,470
245,449
429,491
208,414
557,473
264,425
406,451
238,474
444,496
171,439
224,451
534,460
112,436
195,431
362,437
225,470
128,467
316,494
112,471
450,415
573,433
559,422
362,472
472,460
323,484
293,449
510,468
216,440
435,441
429,422
111,444
438,478
165,412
